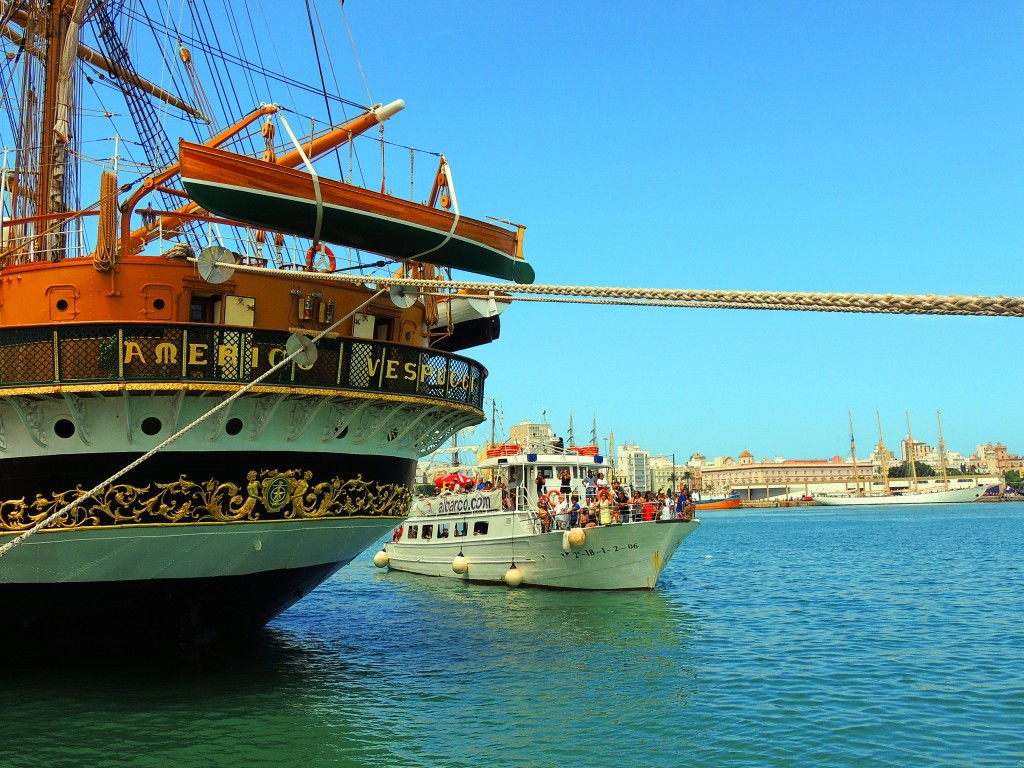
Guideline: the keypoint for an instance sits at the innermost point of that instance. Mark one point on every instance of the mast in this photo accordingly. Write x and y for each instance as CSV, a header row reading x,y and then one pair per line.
x,y
853,452
572,438
494,418
942,452
912,452
881,455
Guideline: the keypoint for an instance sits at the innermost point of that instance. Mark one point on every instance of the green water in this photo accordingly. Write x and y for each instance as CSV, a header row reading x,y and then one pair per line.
x,y
776,638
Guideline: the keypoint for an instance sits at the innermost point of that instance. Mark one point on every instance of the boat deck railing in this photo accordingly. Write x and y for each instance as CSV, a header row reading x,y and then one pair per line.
x,y
151,353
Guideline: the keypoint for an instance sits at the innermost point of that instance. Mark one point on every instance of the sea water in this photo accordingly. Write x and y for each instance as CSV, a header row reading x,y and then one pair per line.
x,y
784,637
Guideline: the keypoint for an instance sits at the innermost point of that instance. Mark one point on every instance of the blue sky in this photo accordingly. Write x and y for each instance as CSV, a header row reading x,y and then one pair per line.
x,y
848,147
786,146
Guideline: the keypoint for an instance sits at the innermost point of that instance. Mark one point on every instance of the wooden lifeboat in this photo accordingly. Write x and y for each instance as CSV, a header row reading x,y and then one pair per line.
x,y
283,199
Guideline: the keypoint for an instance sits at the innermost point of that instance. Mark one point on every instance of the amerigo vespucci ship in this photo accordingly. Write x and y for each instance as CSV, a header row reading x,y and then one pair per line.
x,y
112,342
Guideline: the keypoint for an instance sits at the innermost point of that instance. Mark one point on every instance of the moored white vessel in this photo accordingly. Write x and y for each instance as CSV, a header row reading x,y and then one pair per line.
x,y
511,535
939,496
968,490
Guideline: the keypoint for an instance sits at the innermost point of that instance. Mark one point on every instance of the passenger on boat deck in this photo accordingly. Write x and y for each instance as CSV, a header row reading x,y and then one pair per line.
x,y
635,504
540,482
591,482
621,502
682,500
600,482
666,506
604,510
542,515
574,511
566,479
561,513
648,510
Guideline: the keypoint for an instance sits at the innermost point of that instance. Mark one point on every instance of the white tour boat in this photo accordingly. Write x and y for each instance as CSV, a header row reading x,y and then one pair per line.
x,y
515,535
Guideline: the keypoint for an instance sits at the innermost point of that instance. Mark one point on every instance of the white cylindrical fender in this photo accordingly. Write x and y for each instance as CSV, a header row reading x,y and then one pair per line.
x,y
513,576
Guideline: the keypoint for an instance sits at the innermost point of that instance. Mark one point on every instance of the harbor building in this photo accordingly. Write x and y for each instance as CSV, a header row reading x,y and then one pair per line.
x,y
633,467
778,477
996,459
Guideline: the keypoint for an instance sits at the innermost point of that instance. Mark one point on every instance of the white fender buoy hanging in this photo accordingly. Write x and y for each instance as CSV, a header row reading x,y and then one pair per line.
x,y
381,559
513,576
460,564
577,537
566,542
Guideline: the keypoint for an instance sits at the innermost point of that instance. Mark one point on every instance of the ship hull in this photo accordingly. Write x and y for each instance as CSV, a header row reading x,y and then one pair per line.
x,y
143,616
615,557
956,496
729,502
222,528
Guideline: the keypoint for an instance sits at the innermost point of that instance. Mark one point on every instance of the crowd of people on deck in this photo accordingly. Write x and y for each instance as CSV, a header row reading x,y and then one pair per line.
x,y
602,503
606,504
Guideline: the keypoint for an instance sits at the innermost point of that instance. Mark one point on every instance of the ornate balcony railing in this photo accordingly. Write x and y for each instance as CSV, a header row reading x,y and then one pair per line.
x,y
80,354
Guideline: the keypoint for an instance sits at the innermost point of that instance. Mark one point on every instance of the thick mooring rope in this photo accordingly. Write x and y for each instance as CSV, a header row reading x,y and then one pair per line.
x,y
876,303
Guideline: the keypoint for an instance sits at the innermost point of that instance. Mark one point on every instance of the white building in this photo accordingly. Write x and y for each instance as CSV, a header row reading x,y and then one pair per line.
x,y
633,467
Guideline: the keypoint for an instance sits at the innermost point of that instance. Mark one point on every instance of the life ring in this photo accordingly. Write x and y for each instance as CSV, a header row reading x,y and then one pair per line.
x,y
315,257
553,499
604,493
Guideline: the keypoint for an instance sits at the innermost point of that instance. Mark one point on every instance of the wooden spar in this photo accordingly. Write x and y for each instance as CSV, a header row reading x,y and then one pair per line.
x,y
96,59
340,135
132,240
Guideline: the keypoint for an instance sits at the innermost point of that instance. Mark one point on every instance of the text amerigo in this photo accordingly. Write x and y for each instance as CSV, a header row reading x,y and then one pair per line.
x,y
228,355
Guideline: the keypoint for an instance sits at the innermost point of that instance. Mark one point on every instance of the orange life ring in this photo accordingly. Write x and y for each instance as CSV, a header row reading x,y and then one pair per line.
x,y
315,254
553,499
604,493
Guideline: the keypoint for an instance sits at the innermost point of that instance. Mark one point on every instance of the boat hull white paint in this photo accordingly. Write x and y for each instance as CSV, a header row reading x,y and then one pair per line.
x,y
957,495
629,556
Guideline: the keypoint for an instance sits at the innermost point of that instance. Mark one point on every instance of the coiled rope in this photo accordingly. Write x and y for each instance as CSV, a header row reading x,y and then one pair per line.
x,y
51,519
876,303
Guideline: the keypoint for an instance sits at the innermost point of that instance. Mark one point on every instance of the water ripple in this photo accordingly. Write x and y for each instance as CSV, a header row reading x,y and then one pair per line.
x,y
776,638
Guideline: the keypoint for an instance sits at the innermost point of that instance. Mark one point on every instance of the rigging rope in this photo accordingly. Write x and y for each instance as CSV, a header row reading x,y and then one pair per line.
x,y
872,303
156,449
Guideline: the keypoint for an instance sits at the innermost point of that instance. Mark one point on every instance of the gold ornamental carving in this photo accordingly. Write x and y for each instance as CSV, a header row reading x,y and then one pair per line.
x,y
269,494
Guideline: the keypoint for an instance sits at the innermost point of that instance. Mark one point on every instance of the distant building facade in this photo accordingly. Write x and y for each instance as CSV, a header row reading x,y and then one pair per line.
x,y
633,467
765,479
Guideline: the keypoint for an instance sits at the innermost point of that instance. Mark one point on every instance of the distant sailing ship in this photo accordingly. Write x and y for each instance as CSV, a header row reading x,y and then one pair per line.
x,y
946,495
113,348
